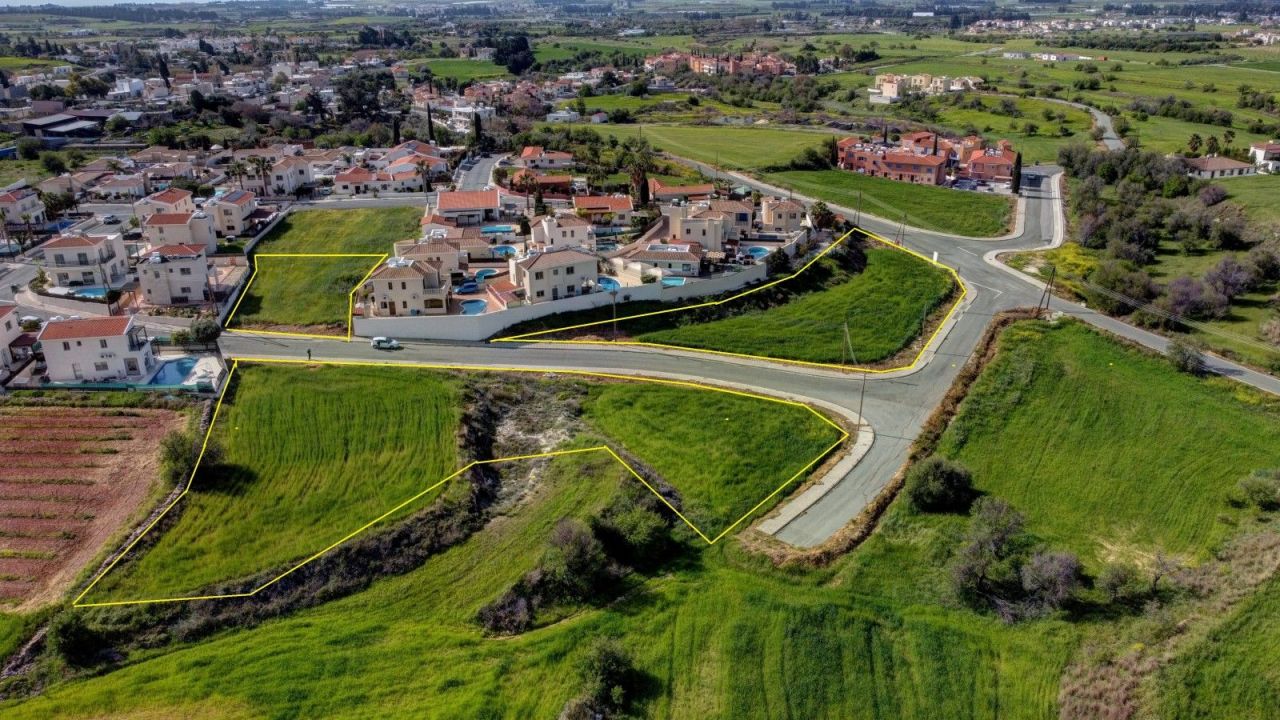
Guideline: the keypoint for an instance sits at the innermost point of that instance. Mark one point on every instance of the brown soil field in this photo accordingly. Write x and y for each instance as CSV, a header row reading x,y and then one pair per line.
x,y
71,479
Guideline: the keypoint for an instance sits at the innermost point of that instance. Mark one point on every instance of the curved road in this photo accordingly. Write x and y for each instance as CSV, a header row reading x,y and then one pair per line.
x,y
896,406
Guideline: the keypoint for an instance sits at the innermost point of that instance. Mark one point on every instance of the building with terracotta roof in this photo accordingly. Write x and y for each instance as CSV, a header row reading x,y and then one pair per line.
x,y
78,259
525,180
660,192
403,286
779,215
445,253
683,259
553,275
553,232
180,228
467,207
878,160
991,164
22,206
1216,166
173,200
535,157
174,275
233,211
96,350
121,187
605,209
1266,156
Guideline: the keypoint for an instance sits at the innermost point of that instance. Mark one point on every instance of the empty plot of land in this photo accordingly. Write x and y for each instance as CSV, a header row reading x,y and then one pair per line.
x,y
302,294
70,479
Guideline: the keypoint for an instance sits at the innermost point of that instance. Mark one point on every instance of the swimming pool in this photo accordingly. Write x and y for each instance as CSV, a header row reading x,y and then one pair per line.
x,y
95,293
673,281
174,372
497,229
484,273
607,283
757,252
503,250
474,307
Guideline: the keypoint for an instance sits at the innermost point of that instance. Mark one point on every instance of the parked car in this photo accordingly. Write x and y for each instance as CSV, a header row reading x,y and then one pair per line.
x,y
384,343
110,220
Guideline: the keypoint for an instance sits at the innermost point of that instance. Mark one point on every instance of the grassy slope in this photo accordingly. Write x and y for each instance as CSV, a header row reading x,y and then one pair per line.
x,y
1043,429
465,69
1256,194
724,453
720,636
314,291
732,148
298,472
1234,671
930,208
885,307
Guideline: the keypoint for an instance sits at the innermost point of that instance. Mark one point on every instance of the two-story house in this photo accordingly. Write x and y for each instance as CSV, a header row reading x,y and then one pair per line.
x,y
10,330
96,350
22,206
779,215
80,259
173,200
553,275
605,209
174,275
553,232
231,212
402,287
180,228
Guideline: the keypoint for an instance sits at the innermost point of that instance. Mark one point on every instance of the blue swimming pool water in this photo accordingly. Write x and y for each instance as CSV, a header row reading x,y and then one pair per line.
x,y
497,229
503,250
174,372
757,252
608,283
474,307
96,293
673,281
486,272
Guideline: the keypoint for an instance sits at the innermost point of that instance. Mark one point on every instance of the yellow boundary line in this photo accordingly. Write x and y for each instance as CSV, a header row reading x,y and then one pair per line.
x,y
235,364
534,337
351,296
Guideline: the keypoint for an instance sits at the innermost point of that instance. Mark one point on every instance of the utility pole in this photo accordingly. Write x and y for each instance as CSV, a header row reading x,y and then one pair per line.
x,y
862,391
1047,296
858,213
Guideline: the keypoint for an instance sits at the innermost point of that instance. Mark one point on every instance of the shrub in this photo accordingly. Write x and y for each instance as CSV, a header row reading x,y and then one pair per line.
x,y
634,528
181,337
1185,357
937,484
1118,581
1049,579
510,614
1211,195
73,640
1262,489
205,330
608,675
1113,277
574,564
1229,278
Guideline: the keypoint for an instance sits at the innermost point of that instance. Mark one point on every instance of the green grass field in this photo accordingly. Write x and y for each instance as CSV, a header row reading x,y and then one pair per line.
x,y
1256,194
1042,146
12,171
464,69
926,207
886,307
725,635
312,292
730,147
342,231
310,455
696,441
1042,429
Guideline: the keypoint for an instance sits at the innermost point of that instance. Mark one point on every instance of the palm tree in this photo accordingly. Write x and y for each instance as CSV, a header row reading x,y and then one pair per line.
x,y
237,171
1194,142
1228,137
262,168
638,159
528,182
424,172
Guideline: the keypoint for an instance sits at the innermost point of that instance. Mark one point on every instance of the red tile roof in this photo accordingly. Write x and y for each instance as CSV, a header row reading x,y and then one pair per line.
x,y
607,203
468,200
177,250
171,196
74,241
87,328
169,219
6,309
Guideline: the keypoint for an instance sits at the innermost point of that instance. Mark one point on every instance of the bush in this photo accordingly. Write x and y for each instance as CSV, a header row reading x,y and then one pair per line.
x,y
73,640
180,337
1185,357
1262,489
574,564
1049,579
937,484
609,676
510,614
29,148
1118,581
205,330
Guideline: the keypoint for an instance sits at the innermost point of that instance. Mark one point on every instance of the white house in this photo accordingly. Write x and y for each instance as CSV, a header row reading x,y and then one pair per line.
x,y
80,259
10,330
605,209
96,350
22,206
553,275
1216,166
468,207
554,232
561,116
402,286
174,275
1266,156
231,211
535,157
185,228
172,200
682,259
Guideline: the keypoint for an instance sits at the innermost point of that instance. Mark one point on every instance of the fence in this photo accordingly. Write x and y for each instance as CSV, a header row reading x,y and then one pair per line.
x,y
474,328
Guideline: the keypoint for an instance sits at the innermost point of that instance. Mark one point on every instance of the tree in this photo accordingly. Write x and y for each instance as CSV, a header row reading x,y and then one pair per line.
x,y
477,131
431,127
1049,579
237,171
574,563
53,162
937,484
989,558
638,161
1229,278
1015,181
262,168
29,148
1262,489
424,172
1117,580
822,216
205,330
162,68
609,676
1212,146
1194,143
72,639
1185,357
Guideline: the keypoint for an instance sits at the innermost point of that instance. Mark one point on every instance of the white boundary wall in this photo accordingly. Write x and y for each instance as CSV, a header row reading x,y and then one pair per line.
x,y
474,328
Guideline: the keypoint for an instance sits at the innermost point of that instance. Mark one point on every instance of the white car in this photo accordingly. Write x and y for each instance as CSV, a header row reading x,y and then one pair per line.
x,y
384,343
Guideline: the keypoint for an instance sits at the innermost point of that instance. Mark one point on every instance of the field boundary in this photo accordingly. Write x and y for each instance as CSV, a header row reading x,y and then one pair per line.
x,y
915,360
843,435
351,296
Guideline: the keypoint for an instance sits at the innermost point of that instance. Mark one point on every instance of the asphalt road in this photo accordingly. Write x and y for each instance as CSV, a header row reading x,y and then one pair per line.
x,y
895,406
